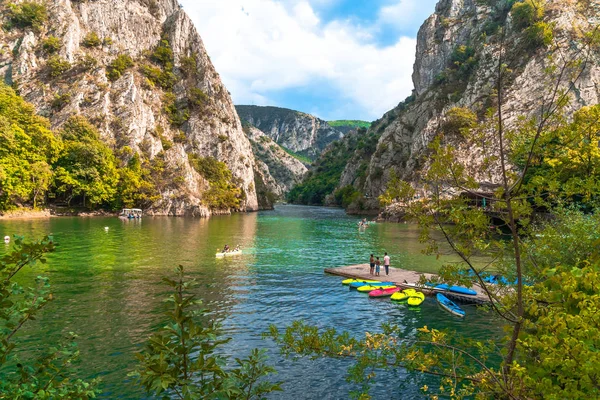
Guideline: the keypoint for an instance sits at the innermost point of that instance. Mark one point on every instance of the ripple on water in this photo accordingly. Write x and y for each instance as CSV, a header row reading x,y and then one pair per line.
x,y
108,289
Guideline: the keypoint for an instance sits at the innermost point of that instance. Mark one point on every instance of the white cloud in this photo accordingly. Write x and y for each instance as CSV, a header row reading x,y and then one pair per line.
x,y
399,13
261,47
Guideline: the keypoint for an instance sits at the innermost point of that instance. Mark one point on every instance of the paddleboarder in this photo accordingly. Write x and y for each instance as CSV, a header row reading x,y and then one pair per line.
x,y
372,263
386,263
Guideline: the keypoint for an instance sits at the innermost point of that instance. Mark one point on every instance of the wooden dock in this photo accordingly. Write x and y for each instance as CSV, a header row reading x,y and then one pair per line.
x,y
401,277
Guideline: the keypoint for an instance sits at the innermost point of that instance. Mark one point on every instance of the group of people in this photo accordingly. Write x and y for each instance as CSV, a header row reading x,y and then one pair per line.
x,y
363,223
227,249
375,264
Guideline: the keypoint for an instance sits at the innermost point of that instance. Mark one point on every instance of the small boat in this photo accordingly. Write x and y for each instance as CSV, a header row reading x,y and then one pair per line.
x,y
229,253
454,289
416,299
449,305
383,292
403,295
349,281
131,213
371,288
355,285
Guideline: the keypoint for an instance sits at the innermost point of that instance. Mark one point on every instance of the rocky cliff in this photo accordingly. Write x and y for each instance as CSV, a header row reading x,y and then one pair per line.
x,y
299,132
138,70
276,170
456,64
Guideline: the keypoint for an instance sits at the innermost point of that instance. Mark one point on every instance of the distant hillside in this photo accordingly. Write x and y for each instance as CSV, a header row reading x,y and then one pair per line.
x,y
346,125
298,132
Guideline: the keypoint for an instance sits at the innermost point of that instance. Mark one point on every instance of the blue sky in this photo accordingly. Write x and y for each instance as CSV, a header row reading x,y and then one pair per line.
x,y
337,59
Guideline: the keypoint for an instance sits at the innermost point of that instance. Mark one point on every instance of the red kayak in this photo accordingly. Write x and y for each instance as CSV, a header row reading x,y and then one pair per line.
x,y
383,292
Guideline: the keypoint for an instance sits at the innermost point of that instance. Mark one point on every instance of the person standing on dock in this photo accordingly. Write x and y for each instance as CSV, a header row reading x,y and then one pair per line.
x,y
386,263
372,263
377,266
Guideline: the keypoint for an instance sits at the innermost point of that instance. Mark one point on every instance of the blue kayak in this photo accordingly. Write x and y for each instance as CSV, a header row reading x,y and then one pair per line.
x,y
456,289
449,305
359,284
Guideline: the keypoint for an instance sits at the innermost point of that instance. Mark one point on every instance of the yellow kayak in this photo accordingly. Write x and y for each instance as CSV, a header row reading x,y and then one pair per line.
x,y
371,288
416,299
403,295
349,281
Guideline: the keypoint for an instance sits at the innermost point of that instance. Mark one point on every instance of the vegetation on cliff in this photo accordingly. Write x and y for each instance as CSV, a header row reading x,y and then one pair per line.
x,y
75,167
324,176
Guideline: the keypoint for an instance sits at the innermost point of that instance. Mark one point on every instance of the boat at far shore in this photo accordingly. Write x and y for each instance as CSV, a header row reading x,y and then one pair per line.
x,y
131,213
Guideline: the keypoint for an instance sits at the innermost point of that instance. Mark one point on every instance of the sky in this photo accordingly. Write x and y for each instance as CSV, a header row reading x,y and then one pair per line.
x,y
336,59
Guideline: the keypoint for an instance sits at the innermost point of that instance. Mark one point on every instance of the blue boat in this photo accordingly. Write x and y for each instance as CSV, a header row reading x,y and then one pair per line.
x,y
456,289
449,305
355,285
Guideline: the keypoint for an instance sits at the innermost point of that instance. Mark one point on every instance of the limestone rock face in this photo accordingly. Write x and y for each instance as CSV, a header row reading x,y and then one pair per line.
x,y
278,170
407,130
130,111
299,132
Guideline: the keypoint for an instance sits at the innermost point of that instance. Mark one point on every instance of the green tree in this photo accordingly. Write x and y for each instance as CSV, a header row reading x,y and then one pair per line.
x,y
136,187
182,359
28,148
86,167
47,374
223,193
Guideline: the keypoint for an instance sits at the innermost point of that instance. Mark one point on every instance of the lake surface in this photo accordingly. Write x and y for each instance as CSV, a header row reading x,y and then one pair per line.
x,y
107,288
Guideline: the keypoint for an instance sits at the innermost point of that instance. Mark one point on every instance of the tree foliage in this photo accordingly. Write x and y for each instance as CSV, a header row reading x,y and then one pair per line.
x,y
115,69
47,374
28,14
86,167
223,193
28,149
181,358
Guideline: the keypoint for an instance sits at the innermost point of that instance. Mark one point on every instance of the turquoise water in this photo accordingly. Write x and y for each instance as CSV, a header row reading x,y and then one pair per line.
x,y
107,286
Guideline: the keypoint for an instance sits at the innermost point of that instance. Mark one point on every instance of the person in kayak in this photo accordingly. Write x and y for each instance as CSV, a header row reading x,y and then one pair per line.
x,y
377,266
372,263
386,263
226,249
237,248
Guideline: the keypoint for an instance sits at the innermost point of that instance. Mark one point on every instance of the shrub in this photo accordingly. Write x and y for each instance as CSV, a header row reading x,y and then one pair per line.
x,y
92,40
28,14
223,193
463,61
57,66
189,66
107,41
176,113
164,78
87,62
180,137
538,35
60,101
527,13
51,44
196,97
346,195
116,68
459,120
162,53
